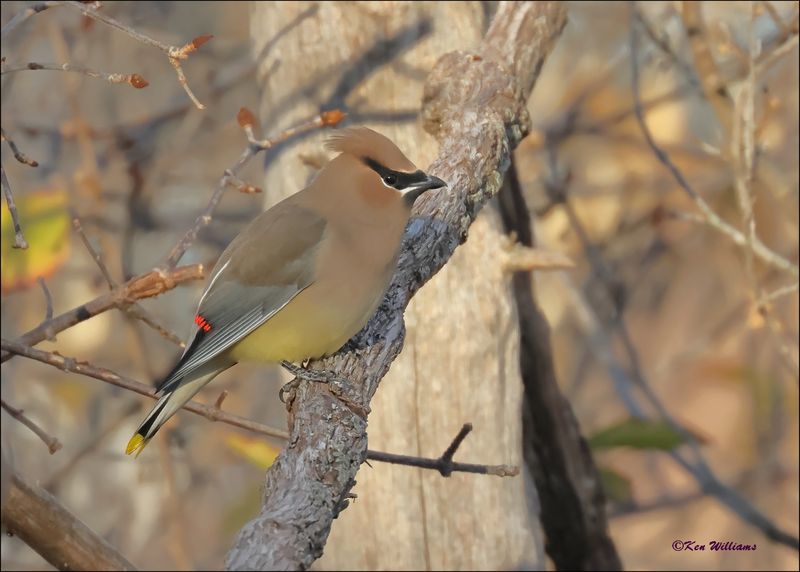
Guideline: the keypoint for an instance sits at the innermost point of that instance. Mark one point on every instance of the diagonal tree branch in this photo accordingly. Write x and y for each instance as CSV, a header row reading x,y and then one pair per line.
x,y
475,105
56,534
52,443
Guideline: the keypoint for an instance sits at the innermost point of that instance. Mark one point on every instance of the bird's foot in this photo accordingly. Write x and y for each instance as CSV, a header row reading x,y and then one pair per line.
x,y
287,392
335,384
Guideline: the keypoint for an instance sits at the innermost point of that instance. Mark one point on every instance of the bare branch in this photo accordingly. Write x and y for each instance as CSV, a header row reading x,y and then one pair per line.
x,y
634,376
132,79
174,53
243,187
138,312
76,224
329,118
133,309
84,368
19,239
780,292
707,70
55,533
18,155
445,464
52,443
221,398
698,468
25,14
711,217
48,300
145,285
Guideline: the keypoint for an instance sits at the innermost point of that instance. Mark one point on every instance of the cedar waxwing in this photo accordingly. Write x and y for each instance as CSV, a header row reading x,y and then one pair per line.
x,y
303,277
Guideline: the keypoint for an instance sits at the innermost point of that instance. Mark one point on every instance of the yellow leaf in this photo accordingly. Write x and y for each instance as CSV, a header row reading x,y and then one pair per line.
x,y
255,450
45,222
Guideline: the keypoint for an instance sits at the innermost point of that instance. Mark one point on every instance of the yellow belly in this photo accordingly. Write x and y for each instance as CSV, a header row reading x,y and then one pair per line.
x,y
306,328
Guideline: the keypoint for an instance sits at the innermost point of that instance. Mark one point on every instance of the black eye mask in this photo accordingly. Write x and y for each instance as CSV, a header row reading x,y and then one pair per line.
x,y
396,179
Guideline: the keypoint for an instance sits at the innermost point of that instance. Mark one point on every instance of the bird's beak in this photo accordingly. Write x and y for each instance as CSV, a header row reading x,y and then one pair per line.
x,y
432,183
413,192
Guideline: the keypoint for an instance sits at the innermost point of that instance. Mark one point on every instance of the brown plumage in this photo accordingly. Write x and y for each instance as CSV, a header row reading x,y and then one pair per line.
x,y
304,276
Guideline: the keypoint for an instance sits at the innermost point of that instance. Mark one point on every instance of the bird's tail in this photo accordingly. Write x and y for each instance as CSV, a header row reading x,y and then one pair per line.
x,y
172,400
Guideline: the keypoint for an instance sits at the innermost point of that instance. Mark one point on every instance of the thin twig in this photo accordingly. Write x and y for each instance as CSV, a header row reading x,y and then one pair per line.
x,y
149,119
84,368
52,443
780,292
19,239
25,14
705,64
443,464
635,376
699,469
771,57
242,186
145,285
76,224
173,53
18,155
444,470
782,27
742,154
712,218
133,309
664,45
778,47
222,396
132,79
138,312
48,299
48,312
325,119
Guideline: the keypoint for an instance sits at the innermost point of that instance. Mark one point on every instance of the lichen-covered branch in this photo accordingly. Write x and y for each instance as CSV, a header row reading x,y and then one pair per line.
x,y
475,105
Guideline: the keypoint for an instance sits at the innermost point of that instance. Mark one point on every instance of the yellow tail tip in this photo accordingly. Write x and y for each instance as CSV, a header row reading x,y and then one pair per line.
x,y
136,445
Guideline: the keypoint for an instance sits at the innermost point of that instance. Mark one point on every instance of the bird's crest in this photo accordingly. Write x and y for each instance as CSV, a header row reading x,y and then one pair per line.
x,y
364,143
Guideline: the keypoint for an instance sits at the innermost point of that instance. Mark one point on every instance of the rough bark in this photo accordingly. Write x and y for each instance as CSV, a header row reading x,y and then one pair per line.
x,y
556,454
45,525
461,359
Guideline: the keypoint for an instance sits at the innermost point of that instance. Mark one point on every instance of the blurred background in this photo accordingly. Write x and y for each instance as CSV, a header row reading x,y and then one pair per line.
x,y
657,298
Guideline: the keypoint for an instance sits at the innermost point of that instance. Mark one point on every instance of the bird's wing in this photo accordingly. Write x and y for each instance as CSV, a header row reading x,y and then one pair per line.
x,y
267,265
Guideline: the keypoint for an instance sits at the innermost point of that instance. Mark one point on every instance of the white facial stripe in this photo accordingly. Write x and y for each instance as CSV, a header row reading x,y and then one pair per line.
x,y
213,279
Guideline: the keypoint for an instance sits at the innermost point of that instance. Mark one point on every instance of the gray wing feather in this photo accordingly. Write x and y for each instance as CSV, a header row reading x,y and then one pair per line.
x,y
269,271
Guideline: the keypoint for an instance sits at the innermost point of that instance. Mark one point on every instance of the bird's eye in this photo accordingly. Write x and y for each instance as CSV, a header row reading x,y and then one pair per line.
x,y
390,179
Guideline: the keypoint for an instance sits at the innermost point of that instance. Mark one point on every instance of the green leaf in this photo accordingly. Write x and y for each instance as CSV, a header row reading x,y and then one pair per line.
x,y
637,433
618,487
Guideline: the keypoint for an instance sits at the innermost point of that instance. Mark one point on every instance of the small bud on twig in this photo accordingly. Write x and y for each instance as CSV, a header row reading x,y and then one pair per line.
x,y
333,117
137,81
245,118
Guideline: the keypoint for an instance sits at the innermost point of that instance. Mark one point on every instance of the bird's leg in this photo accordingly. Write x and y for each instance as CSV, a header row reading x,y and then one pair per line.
x,y
335,384
300,373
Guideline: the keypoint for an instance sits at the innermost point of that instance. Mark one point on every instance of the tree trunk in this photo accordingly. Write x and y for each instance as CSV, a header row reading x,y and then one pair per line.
x,y
460,362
